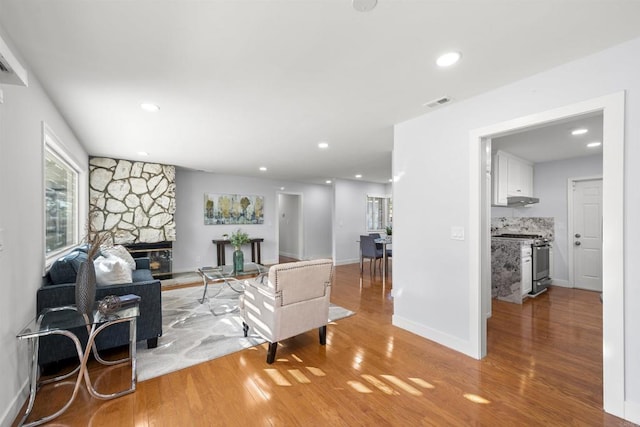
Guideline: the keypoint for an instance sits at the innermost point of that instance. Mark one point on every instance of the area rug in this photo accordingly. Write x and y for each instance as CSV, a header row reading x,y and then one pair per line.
x,y
192,334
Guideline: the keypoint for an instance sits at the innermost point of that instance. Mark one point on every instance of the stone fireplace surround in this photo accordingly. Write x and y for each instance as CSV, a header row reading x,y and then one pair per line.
x,y
135,201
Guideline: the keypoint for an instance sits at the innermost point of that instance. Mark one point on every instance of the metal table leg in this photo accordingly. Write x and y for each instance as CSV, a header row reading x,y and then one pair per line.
x,y
33,380
132,356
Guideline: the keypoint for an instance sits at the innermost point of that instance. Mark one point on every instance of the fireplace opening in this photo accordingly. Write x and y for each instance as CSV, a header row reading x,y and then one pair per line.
x,y
160,257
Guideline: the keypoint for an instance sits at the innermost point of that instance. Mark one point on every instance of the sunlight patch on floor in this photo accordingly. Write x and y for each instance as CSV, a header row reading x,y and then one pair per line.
x,y
277,377
379,384
359,387
476,399
316,371
403,385
299,376
422,383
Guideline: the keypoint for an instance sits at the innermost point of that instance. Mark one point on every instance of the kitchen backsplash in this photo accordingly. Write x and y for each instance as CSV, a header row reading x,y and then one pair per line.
x,y
523,225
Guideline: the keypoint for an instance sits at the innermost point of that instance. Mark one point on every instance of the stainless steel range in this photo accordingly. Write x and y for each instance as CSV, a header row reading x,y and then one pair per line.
x,y
540,248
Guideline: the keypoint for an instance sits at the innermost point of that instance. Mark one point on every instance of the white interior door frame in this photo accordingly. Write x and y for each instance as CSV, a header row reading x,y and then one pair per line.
x,y
613,109
570,254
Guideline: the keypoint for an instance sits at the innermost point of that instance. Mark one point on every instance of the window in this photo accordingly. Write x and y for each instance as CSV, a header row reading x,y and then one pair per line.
x,y
379,213
60,197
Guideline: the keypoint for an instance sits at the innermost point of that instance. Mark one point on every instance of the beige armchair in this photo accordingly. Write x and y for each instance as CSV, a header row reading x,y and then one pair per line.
x,y
292,299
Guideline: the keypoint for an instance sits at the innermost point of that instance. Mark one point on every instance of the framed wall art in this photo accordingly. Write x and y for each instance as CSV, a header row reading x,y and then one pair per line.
x,y
225,209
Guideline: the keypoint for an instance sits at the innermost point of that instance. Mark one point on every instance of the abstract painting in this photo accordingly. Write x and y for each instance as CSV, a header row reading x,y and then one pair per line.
x,y
224,209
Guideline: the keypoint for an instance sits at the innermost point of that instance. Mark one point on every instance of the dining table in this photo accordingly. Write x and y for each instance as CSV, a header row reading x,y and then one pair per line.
x,y
384,241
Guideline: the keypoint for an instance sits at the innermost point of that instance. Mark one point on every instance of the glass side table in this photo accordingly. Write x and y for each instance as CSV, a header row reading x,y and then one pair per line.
x,y
62,321
226,275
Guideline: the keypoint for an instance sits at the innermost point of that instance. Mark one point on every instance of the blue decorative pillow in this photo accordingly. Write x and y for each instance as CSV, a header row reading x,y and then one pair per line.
x,y
65,268
85,248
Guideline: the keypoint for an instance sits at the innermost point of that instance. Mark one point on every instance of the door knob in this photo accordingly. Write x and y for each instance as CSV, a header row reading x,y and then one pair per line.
x,y
578,235
577,243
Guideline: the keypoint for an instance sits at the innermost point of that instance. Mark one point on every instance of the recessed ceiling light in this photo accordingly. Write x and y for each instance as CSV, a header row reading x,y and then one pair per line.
x,y
364,5
148,106
580,131
323,145
263,168
328,181
143,153
594,144
281,188
390,179
448,59
358,176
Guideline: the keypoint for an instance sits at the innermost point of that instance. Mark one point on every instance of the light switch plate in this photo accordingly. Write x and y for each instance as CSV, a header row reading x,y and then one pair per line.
x,y
457,233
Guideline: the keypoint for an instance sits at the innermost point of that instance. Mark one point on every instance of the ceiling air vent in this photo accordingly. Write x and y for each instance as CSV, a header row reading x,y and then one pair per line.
x,y
437,102
3,67
11,72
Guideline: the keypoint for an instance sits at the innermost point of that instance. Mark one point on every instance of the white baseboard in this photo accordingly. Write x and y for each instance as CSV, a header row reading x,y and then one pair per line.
x,y
14,407
290,255
347,261
561,282
632,412
434,335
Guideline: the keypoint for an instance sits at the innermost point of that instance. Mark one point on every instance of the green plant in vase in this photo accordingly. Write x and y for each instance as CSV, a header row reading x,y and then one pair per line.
x,y
237,239
389,230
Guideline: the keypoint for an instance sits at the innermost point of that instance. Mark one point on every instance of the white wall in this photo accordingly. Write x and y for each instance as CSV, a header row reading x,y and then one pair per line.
x,y
21,218
550,186
431,276
350,217
193,247
289,223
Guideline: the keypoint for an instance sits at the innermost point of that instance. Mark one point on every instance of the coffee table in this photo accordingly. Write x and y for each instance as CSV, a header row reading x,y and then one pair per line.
x,y
226,276
63,321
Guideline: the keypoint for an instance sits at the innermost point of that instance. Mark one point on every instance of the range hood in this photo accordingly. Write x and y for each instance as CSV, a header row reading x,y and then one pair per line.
x,y
520,201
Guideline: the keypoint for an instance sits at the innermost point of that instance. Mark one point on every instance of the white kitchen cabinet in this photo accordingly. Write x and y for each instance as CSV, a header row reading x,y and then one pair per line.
x,y
511,176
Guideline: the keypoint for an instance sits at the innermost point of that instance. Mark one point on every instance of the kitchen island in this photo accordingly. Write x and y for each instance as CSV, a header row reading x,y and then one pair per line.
x,y
506,269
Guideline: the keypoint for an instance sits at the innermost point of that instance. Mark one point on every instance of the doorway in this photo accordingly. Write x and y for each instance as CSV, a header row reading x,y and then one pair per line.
x,y
612,108
290,228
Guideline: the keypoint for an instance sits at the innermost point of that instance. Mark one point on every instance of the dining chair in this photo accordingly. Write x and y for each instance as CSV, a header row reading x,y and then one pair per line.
x,y
369,250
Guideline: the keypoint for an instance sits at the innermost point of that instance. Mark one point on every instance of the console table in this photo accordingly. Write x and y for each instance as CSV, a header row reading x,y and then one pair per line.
x,y
255,250
62,321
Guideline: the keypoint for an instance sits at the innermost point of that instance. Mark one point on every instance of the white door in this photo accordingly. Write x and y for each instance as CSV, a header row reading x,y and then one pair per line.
x,y
587,237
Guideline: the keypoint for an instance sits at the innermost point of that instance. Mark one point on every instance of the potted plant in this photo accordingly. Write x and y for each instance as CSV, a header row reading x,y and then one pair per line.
x,y
389,230
237,239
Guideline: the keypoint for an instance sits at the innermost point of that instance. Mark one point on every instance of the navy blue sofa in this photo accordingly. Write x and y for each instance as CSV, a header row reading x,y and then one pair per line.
x,y
58,289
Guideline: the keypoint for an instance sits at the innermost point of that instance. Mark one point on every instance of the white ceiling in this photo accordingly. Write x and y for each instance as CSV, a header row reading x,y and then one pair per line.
x,y
243,84
554,141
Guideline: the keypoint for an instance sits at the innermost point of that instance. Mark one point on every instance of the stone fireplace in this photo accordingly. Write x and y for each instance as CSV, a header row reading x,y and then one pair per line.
x,y
135,203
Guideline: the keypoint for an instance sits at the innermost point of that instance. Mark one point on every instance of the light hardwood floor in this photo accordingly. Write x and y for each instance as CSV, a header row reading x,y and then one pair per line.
x,y
544,368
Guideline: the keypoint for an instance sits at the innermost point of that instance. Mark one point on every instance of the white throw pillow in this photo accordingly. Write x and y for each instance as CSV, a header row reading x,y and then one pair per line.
x,y
122,253
111,271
